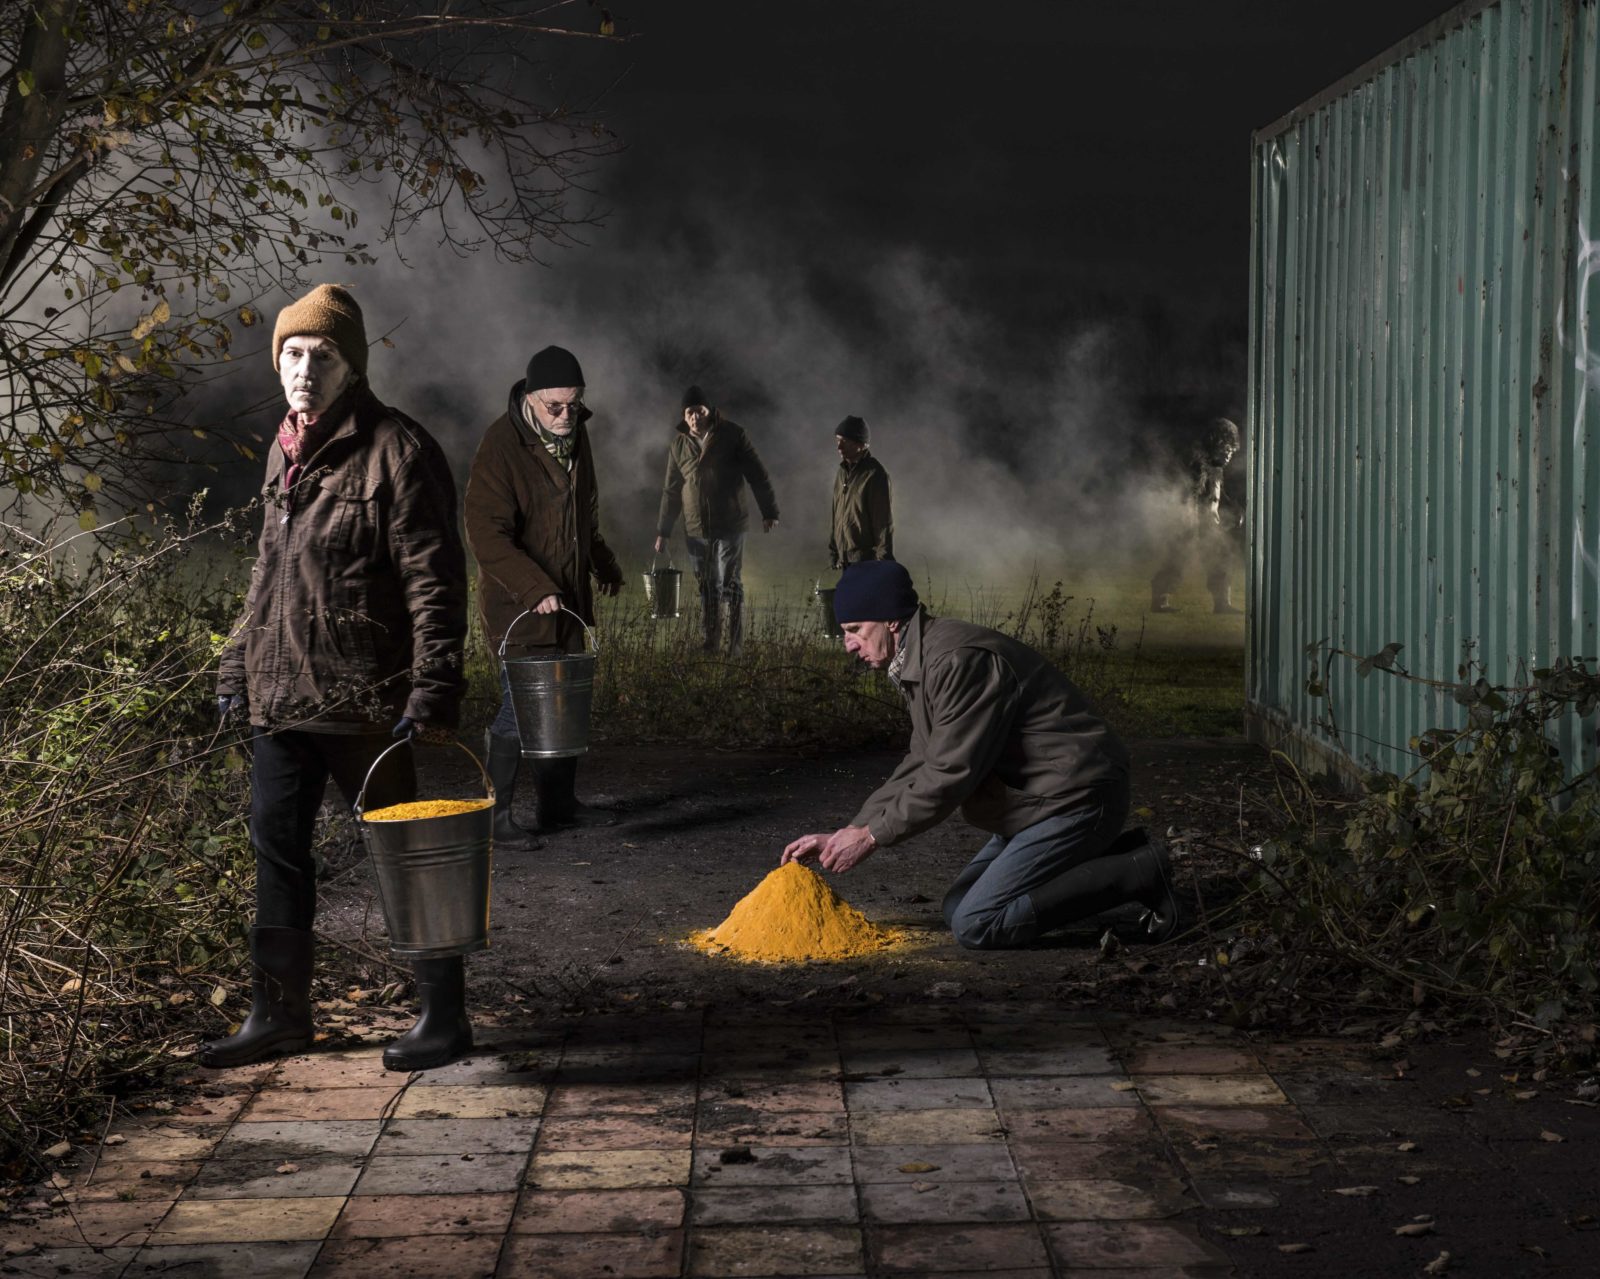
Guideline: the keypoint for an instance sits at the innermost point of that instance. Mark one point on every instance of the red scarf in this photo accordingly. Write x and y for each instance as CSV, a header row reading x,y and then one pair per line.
x,y
300,438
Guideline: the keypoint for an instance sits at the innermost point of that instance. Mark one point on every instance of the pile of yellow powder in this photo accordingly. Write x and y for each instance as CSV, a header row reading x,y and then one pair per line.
x,y
792,915
425,808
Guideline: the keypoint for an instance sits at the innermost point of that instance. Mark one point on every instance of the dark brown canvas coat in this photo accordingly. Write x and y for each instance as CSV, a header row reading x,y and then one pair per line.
x,y
863,526
534,529
996,731
706,482
356,612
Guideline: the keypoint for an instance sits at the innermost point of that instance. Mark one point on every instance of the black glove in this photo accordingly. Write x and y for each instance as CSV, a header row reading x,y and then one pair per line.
x,y
228,704
407,728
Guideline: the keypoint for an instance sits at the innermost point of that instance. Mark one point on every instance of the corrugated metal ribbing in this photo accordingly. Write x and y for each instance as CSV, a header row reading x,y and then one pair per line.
x,y
1425,376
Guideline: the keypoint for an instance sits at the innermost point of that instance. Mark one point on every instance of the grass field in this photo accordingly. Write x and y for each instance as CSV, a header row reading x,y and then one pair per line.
x,y
1176,674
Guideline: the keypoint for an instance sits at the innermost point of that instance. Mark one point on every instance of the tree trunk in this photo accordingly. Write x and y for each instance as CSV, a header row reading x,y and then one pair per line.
x,y
29,121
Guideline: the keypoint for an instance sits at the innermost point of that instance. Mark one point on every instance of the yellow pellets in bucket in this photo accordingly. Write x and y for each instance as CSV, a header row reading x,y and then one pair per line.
x,y
425,808
792,916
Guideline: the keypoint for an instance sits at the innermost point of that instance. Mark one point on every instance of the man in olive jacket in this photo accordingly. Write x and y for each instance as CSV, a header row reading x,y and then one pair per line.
x,y
709,462
351,637
1000,734
863,527
533,523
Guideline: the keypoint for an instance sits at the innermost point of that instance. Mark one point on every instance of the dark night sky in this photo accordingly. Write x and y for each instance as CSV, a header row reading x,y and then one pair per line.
x,y
1040,152
1015,239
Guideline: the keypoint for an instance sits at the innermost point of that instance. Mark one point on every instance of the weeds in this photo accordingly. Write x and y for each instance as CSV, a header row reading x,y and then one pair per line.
x,y
122,842
1474,879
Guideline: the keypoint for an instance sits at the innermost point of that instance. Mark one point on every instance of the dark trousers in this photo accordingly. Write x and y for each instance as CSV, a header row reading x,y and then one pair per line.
x,y
289,771
989,906
718,564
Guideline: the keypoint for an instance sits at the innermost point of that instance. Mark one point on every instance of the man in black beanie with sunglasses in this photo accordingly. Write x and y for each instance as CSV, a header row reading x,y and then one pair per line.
x,y
1000,734
533,523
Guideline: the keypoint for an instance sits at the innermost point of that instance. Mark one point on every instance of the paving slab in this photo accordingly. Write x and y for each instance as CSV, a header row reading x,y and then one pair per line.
x,y
916,1094
618,1132
69,1263
414,1136
971,1161
933,1200
397,1216
300,1104
449,1174
727,1251
258,1260
899,1248
731,1124
756,1205
248,1220
615,1256
889,1128
599,1211
294,1139
471,1101
1079,1245
608,1169
772,1166
274,1179
432,1257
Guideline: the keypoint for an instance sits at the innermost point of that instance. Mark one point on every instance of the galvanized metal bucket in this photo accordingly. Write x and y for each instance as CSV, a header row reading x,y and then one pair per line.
x,y
551,694
830,625
662,588
433,875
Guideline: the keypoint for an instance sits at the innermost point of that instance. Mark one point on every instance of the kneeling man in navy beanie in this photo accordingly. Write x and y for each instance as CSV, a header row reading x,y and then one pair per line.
x,y
1000,734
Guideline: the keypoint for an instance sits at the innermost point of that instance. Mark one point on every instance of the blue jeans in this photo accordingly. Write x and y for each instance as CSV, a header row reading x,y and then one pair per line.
x,y
989,908
718,563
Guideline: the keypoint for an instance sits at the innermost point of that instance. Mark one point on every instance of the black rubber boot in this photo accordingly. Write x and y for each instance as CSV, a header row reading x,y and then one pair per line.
x,y
280,1001
503,760
442,1032
559,806
1135,868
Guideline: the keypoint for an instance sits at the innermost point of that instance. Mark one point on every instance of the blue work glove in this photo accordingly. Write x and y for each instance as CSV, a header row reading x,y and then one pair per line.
x,y
407,728
228,704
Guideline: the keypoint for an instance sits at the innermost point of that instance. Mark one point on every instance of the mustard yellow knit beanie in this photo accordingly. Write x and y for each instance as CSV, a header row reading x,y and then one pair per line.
x,y
328,311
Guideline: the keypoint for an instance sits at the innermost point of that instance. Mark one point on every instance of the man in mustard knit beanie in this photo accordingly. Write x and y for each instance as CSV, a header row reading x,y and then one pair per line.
x,y
351,638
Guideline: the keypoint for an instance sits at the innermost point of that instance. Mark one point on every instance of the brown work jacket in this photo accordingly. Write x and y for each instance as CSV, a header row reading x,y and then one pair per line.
x,y
534,529
863,528
706,482
996,731
357,607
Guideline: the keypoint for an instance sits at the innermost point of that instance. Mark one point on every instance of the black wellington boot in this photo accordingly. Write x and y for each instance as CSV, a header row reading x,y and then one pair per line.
x,y
503,760
442,1032
1135,868
559,806
280,1001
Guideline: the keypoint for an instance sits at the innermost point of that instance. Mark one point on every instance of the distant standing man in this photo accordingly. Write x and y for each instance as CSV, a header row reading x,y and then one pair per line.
x,y
709,462
1208,524
863,527
351,637
533,523
1000,734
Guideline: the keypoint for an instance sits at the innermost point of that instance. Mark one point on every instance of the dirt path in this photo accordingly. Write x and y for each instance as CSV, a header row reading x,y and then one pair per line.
x,y
641,1109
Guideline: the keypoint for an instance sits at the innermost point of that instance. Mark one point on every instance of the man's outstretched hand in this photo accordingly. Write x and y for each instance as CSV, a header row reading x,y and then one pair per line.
x,y
847,847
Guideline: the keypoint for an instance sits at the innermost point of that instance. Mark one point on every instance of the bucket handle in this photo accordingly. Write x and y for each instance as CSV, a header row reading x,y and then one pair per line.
x,y
361,796
594,644
655,555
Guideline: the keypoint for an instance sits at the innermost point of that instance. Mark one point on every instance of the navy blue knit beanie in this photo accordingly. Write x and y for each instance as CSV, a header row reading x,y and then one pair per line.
x,y
555,366
874,591
694,395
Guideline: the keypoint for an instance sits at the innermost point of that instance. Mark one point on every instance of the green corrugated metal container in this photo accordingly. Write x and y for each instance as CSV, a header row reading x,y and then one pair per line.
x,y
1425,378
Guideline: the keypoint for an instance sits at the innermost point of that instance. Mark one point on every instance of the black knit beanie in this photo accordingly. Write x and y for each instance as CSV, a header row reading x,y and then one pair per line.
x,y
852,428
874,591
694,395
553,367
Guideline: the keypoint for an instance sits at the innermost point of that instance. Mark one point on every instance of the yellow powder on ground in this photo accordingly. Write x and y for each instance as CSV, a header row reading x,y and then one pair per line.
x,y
793,915
425,808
